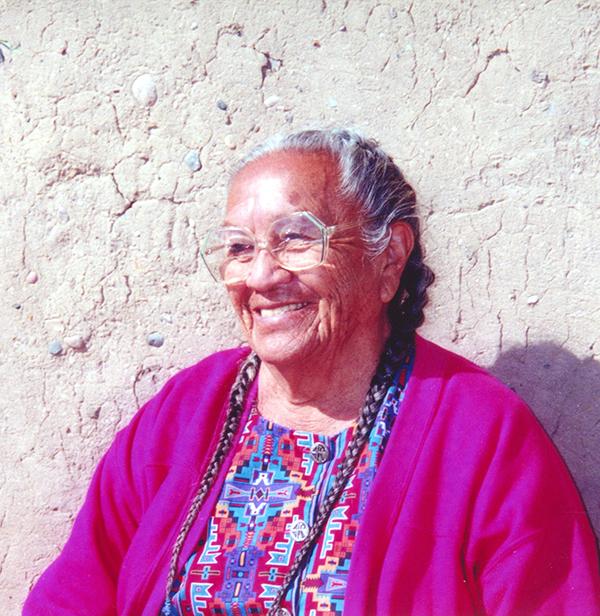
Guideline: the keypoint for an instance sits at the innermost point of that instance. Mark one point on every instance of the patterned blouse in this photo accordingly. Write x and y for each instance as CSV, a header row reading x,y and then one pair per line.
x,y
270,497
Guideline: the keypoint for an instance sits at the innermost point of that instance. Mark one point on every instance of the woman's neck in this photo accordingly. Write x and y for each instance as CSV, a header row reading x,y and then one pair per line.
x,y
324,396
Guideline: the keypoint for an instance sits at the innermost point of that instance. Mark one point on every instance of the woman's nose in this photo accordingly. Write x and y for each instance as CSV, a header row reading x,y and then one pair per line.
x,y
265,272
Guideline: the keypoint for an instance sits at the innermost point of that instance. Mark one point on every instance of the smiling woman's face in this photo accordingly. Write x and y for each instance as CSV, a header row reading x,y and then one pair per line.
x,y
312,315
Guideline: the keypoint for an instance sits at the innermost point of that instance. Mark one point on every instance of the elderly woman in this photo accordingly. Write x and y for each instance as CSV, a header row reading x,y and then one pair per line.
x,y
339,463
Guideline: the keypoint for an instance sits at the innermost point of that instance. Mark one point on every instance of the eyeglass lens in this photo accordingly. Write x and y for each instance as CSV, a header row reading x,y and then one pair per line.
x,y
297,242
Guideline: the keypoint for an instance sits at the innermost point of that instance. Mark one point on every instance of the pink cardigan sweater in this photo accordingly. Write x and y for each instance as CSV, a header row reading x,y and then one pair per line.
x,y
472,510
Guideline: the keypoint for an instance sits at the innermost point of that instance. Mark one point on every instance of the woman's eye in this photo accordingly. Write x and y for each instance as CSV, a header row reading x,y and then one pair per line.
x,y
290,236
240,249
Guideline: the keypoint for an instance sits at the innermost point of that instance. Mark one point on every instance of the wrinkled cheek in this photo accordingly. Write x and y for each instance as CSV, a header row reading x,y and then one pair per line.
x,y
324,326
333,323
246,318
242,313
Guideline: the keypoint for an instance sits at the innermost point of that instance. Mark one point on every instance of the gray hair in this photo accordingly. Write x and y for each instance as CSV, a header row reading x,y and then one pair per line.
x,y
368,176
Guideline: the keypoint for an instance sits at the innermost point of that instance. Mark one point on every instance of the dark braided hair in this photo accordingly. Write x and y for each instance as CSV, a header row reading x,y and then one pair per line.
x,y
380,383
246,376
369,177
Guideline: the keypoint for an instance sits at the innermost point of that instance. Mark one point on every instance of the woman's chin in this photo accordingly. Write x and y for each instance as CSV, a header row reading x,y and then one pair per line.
x,y
282,349
286,337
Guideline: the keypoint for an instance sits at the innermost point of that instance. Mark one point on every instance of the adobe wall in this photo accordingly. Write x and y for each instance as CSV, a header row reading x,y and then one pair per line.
x,y
118,124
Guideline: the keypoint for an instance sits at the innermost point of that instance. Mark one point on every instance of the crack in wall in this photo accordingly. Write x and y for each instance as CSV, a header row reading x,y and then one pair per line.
x,y
489,58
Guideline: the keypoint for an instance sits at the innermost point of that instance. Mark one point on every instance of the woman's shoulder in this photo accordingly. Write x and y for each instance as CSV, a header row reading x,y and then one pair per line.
x,y
191,401
475,427
463,402
446,373
213,370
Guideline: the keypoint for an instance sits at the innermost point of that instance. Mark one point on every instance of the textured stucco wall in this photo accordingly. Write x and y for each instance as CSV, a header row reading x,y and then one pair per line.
x,y
491,108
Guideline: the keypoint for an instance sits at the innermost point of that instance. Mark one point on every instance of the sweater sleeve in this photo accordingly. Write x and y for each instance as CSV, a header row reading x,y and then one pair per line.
x,y
83,579
551,572
534,551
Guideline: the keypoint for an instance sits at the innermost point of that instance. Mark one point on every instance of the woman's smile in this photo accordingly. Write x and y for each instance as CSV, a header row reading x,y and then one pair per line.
x,y
290,318
269,313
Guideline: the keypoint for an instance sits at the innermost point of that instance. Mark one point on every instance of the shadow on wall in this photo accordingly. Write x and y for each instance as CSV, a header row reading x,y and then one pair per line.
x,y
564,393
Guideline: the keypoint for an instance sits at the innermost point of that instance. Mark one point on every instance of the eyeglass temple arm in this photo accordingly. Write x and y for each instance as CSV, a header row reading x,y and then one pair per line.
x,y
343,226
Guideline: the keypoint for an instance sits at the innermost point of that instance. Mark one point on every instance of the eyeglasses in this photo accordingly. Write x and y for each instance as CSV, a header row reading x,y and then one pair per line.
x,y
297,242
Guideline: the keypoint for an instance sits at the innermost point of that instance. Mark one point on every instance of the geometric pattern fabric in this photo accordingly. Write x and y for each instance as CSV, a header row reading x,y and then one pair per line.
x,y
270,497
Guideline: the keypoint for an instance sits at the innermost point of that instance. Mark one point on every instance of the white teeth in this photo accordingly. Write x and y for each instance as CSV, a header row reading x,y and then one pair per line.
x,y
271,312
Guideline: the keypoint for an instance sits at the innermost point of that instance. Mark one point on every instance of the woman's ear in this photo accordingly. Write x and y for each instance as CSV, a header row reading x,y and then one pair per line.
x,y
396,255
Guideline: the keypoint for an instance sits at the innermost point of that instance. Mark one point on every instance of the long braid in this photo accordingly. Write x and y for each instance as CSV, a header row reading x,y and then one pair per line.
x,y
246,376
379,386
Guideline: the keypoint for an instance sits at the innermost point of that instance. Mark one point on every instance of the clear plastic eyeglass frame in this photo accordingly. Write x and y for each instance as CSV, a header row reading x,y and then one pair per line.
x,y
229,260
